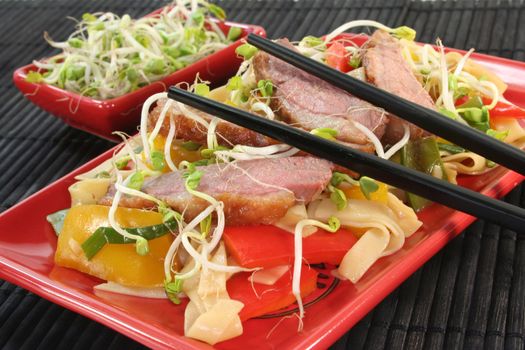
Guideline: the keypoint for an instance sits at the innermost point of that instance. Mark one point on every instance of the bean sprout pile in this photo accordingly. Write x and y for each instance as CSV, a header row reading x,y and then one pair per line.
x,y
108,56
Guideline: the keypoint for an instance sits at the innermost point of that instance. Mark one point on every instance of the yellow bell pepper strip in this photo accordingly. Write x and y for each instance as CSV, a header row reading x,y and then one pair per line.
x,y
114,262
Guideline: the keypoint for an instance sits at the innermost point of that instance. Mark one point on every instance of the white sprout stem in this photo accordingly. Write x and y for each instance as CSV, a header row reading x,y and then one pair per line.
x,y
211,137
400,144
372,138
167,145
132,192
462,62
168,259
298,258
353,24
495,92
263,107
144,120
160,122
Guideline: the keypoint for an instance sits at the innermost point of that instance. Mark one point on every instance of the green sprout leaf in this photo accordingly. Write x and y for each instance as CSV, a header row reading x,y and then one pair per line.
x,y
34,77
355,61
334,224
193,179
88,17
234,83
136,180
157,160
246,51
312,41
141,246
404,32
265,87
190,145
217,11
122,163
173,288
155,66
75,42
202,89
499,135
234,33
368,186
338,197
338,178
325,133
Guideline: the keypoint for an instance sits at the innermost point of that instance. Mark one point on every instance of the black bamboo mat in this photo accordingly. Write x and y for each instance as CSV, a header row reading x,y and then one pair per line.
x,y
470,295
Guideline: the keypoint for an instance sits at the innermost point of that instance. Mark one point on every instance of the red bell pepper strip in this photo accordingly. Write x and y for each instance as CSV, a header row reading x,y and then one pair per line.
x,y
504,109
337,57
268,298
269,246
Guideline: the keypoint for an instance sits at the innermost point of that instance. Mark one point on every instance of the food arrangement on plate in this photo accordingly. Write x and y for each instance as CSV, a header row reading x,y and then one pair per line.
x,y
228,223
110,64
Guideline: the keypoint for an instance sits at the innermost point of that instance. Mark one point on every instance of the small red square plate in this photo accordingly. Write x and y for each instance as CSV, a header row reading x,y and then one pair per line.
x,y
102,117
27,245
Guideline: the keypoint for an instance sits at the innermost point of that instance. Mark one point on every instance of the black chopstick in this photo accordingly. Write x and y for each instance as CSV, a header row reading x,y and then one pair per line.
x,y
462,135
380,169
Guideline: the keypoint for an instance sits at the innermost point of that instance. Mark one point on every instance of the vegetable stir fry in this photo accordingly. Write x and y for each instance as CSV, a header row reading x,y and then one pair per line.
x,y
108,56
231,212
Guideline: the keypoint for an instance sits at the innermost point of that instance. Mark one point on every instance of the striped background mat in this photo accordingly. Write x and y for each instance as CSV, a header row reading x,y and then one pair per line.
x,y
470,295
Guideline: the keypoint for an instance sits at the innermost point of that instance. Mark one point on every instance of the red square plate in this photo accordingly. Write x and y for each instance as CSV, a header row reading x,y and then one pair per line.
x,y
102,117
27,245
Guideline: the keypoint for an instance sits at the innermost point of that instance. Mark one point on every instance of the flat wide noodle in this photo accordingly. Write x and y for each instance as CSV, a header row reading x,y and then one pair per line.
x,y
211,316
387,224
363,254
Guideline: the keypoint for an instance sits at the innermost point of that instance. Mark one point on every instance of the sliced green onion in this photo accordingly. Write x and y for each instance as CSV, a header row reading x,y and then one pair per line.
x,y
452,149
104,235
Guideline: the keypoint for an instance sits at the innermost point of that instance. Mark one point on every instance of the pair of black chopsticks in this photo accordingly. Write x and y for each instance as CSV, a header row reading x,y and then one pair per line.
x,y
383,170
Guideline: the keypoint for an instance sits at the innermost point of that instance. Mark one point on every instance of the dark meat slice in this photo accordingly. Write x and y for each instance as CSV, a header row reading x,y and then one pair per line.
x,y
308,102
386,68
188,129
253,192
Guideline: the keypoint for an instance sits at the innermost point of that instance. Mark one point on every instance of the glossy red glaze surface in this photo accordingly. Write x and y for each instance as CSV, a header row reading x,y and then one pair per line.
x,y
27,245
102,117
